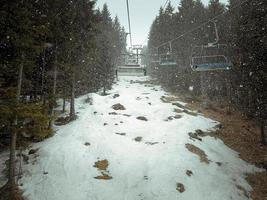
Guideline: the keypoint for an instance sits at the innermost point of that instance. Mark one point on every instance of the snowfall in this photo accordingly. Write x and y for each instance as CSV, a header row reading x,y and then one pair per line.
x,y
145,160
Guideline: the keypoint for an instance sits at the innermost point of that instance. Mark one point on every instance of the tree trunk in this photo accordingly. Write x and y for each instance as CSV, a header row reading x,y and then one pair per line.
x,y
263,136
43,79
12,156
72,101
104,90
52,104
64,104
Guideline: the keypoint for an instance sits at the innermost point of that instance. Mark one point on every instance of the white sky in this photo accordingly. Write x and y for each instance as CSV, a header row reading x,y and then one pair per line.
x,y
142,12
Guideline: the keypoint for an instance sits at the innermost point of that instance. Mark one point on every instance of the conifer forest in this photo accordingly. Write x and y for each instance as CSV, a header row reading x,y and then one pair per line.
x,y
133,100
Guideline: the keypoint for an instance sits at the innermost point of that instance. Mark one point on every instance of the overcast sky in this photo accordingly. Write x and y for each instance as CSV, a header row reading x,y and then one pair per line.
x,y
142,12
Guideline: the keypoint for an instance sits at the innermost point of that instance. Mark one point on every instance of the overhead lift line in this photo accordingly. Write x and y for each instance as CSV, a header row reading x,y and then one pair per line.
x,y
129,22
203,24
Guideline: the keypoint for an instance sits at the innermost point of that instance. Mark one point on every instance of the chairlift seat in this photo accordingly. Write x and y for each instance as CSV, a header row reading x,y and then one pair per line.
x,y
168,63
212,66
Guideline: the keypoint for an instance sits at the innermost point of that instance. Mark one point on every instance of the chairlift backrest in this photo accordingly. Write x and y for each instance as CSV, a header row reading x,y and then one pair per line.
x,y
211,57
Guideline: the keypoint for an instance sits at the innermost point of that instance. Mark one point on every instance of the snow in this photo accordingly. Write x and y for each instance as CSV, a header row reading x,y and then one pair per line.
x,y
139,170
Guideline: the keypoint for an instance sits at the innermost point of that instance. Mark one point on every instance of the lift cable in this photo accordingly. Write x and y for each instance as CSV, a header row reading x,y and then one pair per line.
x,y
129,22
203,24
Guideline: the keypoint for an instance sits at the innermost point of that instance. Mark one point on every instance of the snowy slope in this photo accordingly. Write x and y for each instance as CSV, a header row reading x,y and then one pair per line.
x,y
146,170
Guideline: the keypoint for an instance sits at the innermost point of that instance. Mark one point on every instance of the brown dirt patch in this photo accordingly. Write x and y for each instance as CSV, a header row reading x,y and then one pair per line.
x,y
104,176
242,135
259,183
201,154
101,165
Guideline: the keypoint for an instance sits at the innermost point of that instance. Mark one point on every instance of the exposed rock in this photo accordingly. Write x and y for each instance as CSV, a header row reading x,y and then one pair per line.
x,y
200,132
142,118
180,187
116,96
122,134
151,143
88,100
189,173
118,107
177,117
170,118
113,113
138,139
87,144
194,136
179,105
33,151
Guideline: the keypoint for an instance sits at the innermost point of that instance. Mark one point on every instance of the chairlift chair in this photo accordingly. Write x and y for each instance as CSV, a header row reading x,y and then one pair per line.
x,y
211,57
168,58
131,67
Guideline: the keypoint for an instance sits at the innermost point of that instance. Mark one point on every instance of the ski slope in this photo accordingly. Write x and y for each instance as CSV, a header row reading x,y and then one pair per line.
x,y
146,159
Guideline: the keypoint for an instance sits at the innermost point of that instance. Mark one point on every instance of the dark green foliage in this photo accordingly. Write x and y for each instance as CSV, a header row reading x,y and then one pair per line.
x,y
71,39
243,29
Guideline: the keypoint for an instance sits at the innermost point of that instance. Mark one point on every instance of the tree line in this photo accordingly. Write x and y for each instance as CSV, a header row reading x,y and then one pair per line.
x,y
51,50
242,28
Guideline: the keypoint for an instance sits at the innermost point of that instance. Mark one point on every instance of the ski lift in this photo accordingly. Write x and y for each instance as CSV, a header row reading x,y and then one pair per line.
x,y
168,58
155,59
211,57
131,66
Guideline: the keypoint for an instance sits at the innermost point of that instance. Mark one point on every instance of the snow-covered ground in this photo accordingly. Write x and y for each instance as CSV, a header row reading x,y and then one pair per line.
x,y
148,160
